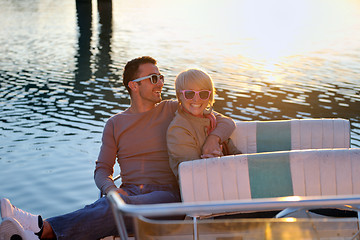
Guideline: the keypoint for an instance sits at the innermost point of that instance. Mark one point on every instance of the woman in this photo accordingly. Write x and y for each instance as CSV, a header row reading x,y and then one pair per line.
x,y
194,119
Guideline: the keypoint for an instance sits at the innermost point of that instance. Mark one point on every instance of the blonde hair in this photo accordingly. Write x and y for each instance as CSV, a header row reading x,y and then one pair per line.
x,y
195,76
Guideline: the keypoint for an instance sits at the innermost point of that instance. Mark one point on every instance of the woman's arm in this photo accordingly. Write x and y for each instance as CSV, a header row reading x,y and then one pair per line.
x,y
224,128
182,146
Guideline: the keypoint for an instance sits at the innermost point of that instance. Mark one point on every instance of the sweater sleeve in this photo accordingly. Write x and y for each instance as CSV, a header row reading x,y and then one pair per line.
x,y
224,126
104,168
182,146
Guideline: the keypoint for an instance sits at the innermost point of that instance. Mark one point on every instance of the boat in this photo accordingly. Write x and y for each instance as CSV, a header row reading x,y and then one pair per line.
x,y
287,169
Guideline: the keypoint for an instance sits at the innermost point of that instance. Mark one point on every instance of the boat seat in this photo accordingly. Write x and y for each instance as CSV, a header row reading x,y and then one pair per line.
x,y
252,183
295,134
272,174
259,137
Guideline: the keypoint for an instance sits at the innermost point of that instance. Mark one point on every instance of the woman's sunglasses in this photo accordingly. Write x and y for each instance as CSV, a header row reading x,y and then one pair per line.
x,y
154,78
190,94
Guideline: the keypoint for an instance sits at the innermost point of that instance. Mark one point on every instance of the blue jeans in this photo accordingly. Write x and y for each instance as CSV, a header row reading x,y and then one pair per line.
x,y
96,220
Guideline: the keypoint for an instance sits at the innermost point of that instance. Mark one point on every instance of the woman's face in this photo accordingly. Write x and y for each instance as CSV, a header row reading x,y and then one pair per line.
x,y
195,102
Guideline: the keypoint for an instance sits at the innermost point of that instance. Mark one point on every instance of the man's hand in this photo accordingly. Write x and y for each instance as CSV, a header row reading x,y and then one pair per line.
x,y
121,191
211,147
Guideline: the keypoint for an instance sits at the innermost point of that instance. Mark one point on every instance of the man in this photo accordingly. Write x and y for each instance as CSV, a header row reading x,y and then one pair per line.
x,y
137,139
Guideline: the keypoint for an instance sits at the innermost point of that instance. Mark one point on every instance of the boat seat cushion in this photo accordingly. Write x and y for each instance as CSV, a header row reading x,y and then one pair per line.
x,y
295,134
272,174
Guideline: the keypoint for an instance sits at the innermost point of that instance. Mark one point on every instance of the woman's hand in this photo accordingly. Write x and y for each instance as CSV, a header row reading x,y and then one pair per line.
x,y
212,147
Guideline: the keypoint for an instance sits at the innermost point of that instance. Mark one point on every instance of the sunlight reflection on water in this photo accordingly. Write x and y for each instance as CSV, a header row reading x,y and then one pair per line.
x,y
61,79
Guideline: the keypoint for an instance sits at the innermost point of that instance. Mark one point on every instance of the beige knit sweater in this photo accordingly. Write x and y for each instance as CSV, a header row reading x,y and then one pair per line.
x,y
187,134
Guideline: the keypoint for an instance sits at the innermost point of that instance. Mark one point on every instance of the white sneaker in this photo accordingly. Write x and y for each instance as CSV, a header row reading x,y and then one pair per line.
x,y
10,229
27,220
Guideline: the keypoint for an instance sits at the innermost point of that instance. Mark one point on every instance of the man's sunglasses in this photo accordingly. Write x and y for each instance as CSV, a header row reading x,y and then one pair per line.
x,y
154,78
190,94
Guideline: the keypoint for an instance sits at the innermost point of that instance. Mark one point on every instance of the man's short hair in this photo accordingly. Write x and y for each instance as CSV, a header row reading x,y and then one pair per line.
x,y
131,69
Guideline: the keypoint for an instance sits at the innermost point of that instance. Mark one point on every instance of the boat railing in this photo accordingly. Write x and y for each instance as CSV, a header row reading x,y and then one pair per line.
x,y
196,209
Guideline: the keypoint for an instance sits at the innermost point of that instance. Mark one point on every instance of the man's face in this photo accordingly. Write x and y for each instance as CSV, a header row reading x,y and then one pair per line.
x,y
148,91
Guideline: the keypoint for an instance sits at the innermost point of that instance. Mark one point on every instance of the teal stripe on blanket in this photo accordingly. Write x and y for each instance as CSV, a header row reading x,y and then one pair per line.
x,y
273,136
270,175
